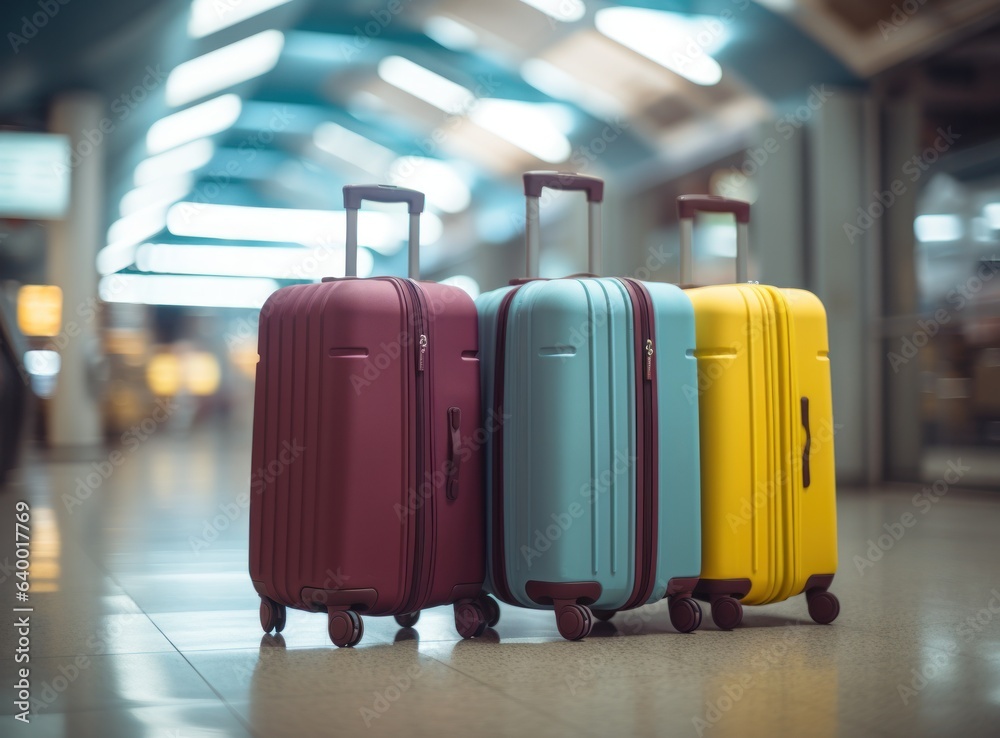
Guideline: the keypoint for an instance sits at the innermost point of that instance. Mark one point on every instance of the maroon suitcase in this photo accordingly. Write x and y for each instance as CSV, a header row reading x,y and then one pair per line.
x,y
367,483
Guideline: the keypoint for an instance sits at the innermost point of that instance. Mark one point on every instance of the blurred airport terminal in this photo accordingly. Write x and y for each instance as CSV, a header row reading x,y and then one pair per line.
x,y
165,165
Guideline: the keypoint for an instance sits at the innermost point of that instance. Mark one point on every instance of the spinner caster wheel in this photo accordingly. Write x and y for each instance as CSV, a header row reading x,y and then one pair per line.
x,y
685,614
470,620
603,615
272,615
574,622
727,612
408,620
345,628
491,609
824,607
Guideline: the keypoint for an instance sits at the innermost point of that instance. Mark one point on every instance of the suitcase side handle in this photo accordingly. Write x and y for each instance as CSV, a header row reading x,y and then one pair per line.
x,y
355,194
534,182
688,205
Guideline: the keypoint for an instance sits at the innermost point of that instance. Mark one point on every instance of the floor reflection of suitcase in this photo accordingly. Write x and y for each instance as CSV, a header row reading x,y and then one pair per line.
x,y
366,494
768,487
593,471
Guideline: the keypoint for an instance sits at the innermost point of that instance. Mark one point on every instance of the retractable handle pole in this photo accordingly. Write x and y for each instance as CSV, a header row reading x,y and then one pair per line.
x,y
534,182
688,205
354,194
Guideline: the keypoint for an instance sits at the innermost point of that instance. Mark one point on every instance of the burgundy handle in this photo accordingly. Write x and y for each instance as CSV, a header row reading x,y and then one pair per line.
x,y
535,181
454,459
688,205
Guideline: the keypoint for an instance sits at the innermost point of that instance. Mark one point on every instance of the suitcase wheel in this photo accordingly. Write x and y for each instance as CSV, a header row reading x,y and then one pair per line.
x,y
574,622
824,607
603,615
407,619
470,620
272,615
685,614
490,608
727,612
345,627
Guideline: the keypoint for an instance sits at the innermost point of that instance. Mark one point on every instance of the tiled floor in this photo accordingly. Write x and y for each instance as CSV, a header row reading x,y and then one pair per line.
x,y
145,624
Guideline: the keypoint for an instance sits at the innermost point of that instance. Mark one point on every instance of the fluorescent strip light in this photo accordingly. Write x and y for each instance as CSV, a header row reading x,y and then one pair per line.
x,y
528,126
565,11
680,43
249,261
42,363
209,16
992,213
380,231
450,33
426,85
204,119
161,193
223,68
932,228
183,159
560,84
444,187
353,148
163,289
115,256
138,226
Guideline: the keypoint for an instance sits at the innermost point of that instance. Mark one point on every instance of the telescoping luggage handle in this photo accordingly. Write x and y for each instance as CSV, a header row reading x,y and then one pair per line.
x,y
534,182
354,194
688,205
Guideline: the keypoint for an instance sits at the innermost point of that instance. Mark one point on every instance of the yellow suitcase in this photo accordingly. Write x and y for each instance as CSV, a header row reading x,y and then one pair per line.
x,y
769,528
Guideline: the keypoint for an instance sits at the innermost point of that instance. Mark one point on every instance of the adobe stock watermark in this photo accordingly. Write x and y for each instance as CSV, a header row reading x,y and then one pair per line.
x,y
765,491
98,643
364,33
122,107
215,182
230,512
383,699
923,501
901,14
436,479
131,439
563,521
967,630
33,23
375,365
957,298
785,127
913,169
733,692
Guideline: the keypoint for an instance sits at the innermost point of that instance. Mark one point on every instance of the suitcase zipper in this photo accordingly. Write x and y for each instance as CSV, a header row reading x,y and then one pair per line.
x,y
646,542
420,572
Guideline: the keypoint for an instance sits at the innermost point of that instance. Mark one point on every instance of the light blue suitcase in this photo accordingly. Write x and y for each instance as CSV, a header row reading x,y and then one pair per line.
x,y
594,500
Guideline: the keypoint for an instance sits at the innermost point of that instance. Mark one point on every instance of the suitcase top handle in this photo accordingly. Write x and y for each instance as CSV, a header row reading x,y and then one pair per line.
x,y
354,194
688,205
534,182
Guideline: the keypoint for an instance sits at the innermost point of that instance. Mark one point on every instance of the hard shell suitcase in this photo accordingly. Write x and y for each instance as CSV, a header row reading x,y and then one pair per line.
x,y
592,469
769,526
366,491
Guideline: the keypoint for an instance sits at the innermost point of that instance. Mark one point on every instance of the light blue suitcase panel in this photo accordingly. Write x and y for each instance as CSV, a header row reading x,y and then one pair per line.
x,y
569,477
679,540
488,306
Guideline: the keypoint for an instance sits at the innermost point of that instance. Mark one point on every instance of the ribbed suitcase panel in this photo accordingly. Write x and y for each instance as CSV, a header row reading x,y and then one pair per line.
x,y
679,539
570,443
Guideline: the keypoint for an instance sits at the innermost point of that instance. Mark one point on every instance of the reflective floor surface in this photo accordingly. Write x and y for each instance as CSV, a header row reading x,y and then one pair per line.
x,y
144,623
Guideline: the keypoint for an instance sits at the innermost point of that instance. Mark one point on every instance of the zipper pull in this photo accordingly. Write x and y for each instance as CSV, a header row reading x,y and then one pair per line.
x,y
649,358
423,351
